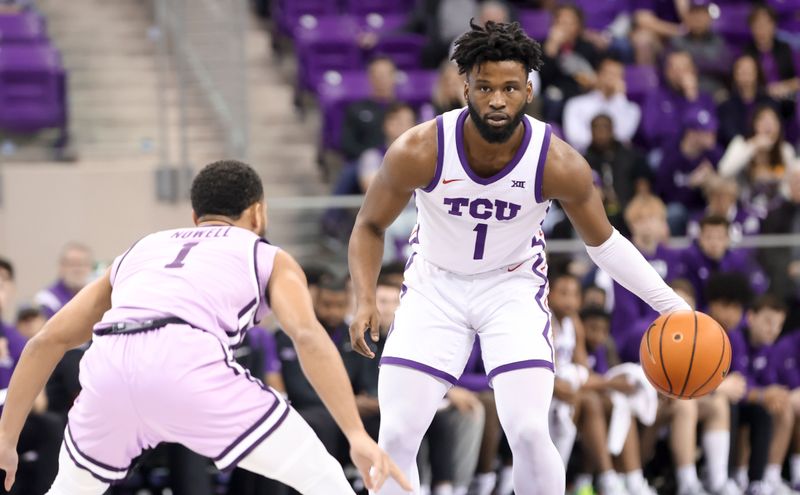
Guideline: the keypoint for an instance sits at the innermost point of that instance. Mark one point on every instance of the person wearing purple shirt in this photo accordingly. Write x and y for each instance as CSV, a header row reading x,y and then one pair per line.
x,y
662,17
687,165
722,197
786,353
646,217
711,253
678,93
74,271
752,348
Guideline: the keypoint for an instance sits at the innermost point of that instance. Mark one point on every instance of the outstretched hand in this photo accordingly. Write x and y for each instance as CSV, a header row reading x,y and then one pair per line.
x,y
374,464
366,319
8,462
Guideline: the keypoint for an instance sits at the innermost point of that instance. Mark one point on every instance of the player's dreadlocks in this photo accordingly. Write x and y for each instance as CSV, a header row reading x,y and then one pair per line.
x,y
496,42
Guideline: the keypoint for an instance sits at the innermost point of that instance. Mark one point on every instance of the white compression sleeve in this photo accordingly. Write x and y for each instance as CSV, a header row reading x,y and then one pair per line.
x,y
625,264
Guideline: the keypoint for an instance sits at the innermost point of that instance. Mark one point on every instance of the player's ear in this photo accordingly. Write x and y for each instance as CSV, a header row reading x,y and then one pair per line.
x,y
529,89
466,88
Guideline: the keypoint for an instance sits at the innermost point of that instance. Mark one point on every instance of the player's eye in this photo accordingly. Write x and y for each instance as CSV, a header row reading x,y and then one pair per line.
x,y
485,89
510,89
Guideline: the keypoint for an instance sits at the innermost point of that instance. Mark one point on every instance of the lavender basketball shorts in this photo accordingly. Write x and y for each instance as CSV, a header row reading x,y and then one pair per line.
x,y
177,384
441,312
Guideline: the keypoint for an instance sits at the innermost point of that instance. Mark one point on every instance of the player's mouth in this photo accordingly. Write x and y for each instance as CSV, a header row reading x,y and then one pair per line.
x,y
497,119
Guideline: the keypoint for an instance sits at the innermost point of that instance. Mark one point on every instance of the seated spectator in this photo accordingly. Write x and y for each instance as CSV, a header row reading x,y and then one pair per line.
x,y
760,160
747,92
29,321
448,94
661,17
621,169
441,22
397,119
607,98
360,129
569,62
711,253
783,264
646,217
594,296
40,439
722,199
646,46
679,93
686,168
775,57
752,347
708,50
784,356
683,417
74,272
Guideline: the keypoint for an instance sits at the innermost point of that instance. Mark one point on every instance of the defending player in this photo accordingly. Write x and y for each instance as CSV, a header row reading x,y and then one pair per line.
x,y
160,368
484,177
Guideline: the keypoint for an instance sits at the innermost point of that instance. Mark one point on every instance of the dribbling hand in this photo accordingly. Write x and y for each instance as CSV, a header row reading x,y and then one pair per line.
x,y
366,319
8,462
374,464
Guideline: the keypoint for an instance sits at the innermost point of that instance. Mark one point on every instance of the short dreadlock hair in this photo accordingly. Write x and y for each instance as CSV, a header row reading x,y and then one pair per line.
x,y
496,42
227,188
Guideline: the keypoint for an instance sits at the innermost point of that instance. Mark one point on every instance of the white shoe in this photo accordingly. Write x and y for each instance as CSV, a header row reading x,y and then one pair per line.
x,y
729,488
646,489
612,484
782,488
693,490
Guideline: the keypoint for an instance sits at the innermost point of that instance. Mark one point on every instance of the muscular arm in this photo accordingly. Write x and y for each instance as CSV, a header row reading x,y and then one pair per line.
x,y
409,164
69,328
319,358
568,178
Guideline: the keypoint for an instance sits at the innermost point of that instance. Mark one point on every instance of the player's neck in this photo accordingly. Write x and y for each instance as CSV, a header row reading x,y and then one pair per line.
x,y
485,157
211,220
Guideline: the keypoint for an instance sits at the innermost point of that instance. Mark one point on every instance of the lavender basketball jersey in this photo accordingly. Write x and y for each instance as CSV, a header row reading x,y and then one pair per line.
x,y
212,277
468,224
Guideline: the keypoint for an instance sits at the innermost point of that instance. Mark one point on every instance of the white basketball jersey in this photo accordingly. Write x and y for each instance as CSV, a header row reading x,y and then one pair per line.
x,y
467,224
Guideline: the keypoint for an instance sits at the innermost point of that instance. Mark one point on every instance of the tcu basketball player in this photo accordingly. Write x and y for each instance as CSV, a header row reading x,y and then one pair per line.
x,y
484,177
160,368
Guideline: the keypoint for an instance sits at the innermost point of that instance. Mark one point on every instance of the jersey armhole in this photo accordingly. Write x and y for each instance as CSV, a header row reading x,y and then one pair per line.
x,y
537,189
112,276
439,155
269,256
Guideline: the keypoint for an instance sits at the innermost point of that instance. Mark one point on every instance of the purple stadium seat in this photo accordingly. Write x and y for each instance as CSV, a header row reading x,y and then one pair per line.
x,y
32,88
404,49
599,15
325,43
362,7
26,27
535,22
289,12
785,6
339,89
732,24
640,80
382,23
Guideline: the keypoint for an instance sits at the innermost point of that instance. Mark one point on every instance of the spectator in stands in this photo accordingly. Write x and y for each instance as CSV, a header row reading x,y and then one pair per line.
x,y
569,62
14,6
708,50
41,436
752,347
747,92
607,98
441,21
448,94
594,296
722,199
360,129
646,217
711,253
397,119
646,46
683,417
775,57
783,264
679,92
686,168
760,160
29,321
621,169
784,357
662,17
74,271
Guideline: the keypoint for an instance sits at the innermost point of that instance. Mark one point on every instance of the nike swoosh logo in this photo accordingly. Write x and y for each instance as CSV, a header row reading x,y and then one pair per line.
x,y
448,181
514,268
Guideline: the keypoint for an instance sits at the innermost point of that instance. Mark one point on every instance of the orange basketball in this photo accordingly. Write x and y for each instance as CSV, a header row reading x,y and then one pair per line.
x,y
685,354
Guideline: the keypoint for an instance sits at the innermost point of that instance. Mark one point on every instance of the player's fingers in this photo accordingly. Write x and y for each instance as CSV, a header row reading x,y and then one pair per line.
x,y
10,476
379,472
398,476
357,340
374,328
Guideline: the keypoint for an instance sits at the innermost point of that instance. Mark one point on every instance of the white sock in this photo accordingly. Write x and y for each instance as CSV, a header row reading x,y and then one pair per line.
x,y
484,483
505,485
717,446
687,477
634,481
742,478
608,481
772,474
460,490
583,480
446,489
794,465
